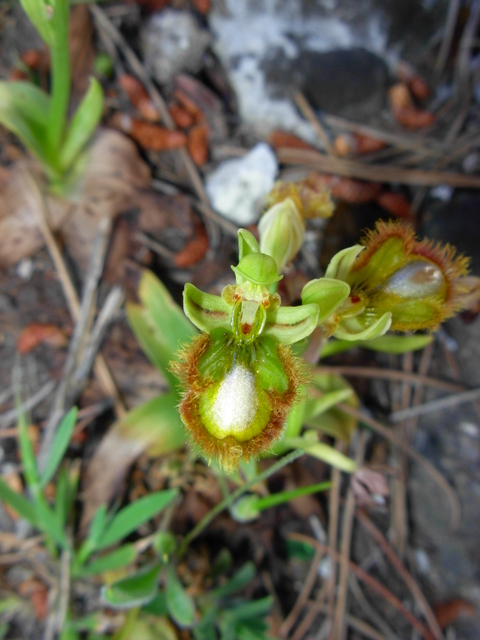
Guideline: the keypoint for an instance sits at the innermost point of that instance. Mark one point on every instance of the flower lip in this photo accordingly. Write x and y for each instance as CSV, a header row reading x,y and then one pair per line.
x,y
417,279
235,404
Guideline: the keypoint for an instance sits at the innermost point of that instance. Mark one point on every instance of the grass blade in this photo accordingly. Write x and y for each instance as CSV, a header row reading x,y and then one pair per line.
x,y
59,445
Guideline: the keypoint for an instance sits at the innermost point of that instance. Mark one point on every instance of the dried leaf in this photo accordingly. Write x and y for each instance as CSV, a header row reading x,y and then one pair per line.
x,y
448,612
38,594
138,96
194,251
32,58
399,97
279,138
197,144
202,6
204,104
37,333
181,117
419,87
149,136
414,118
188,104
346,189
15,483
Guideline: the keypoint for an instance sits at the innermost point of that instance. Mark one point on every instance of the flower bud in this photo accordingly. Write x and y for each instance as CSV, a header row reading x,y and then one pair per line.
x,y
282,232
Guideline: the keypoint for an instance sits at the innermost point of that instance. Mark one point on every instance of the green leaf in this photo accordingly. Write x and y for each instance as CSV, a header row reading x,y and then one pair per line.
x,y
67,485
323,452
157,606
291,324
156,424
165,545
134,515
180,604
392,343
236,583
316,406
49,522
18,502
328,293
206,311
267,502
59,445
24,110
82,125
333,422
249,610
36,10
134,591
117,559
247,243
152,628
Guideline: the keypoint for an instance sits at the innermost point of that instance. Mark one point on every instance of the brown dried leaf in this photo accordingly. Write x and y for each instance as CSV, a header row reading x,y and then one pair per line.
x,y
395,203
38,594
414,118
202,6
346,189
197,144
37,333
278,139
448,612
149,136
181,117
138,96
194,251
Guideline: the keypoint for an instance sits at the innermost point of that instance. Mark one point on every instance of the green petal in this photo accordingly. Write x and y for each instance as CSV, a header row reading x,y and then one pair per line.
x,y
206,311
342,262
351,329
328,293
291,324
257,268
247,243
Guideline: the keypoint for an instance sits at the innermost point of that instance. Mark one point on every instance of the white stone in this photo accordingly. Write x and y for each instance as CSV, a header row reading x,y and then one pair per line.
x,y
236,402
236,187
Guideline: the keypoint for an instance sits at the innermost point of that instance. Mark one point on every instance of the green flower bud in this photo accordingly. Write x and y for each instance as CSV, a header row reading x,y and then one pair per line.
x,y
257,268
282,232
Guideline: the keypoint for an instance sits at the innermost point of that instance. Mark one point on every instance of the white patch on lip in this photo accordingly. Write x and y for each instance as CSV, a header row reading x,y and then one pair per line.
x,y
235,406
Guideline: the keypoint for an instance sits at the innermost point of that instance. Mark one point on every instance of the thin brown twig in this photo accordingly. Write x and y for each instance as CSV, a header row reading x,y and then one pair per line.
x,y
334,511
306,623
309,114
390,374
351,621
338,631
371,582
415,455
40,209
368,610
435,405
403,572
441,60
376,173
308,585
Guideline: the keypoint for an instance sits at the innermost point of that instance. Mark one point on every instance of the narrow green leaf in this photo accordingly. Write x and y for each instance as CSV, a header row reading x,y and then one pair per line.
x,y
97,527
48,521
59,445
285,496
206,311
117,559
134,515
392,343
236,583
67,486
180,604
323,452
316,406
291,324
36,10
249,610
134,591
18,502
82,125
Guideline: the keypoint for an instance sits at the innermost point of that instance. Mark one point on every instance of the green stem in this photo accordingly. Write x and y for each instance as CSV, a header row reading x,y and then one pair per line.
x,y
60,79
224,504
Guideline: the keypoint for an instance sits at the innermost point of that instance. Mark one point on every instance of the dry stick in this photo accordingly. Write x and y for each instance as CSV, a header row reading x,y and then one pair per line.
x,y
62,396
401,569
308,585
389,374
310,617
309,114
40,209
338,632
11,416
428,466
351,621
447,39
334,510
398,512
368,610
371,582
435,405
375,173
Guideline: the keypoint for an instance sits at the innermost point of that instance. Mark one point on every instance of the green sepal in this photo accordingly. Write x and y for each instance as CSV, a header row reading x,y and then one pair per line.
x,y
82,125
352,330
342,262
206,311
257,268
291,324
328,293
247,243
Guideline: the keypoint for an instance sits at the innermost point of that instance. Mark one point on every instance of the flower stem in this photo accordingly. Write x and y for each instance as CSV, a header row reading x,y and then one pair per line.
x,y
226,502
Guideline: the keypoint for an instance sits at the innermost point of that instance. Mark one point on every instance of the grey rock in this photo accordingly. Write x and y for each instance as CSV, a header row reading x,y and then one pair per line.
x,y
173,42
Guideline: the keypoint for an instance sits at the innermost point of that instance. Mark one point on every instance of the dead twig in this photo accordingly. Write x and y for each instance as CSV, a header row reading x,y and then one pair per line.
x,y
451,22
374,173
402,571
10,417
435,405
371,582
309,114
